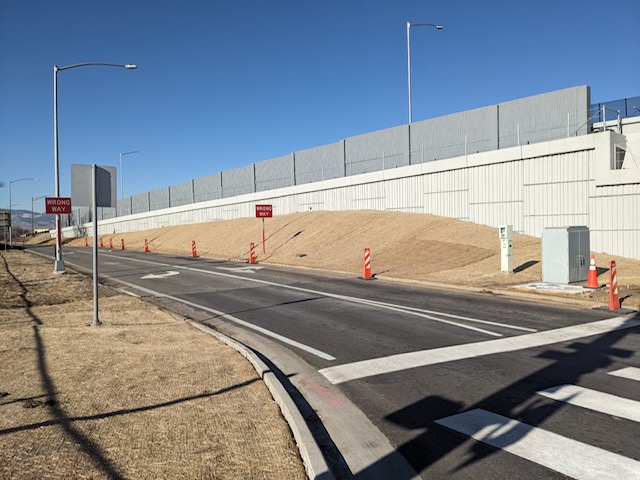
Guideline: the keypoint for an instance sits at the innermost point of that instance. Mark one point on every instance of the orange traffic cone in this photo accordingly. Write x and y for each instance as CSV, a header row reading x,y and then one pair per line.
x,y
252,253
592,279
367,264
614,296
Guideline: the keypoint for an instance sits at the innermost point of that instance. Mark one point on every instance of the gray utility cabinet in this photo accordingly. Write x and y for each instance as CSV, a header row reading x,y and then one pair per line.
x,y
565,254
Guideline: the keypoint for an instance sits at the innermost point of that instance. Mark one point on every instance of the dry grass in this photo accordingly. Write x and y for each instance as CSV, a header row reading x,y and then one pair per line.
x,y
142,396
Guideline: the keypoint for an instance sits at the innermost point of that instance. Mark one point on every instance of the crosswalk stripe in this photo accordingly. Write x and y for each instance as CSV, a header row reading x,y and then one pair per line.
x,y
631,373
569,457
594,400
403,361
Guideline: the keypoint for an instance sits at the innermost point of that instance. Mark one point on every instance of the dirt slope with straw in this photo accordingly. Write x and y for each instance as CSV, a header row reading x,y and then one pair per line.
x,y
404,246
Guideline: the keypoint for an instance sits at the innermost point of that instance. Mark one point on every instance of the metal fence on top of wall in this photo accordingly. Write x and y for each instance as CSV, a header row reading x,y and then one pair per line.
x,y
533,119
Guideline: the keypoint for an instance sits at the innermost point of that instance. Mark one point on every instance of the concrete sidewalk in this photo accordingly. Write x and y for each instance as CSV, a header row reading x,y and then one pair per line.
x,y
144,395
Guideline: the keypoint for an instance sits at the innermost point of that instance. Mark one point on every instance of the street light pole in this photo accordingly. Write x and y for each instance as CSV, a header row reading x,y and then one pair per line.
x,y
32,200
10,215
409,25
121,176
58,266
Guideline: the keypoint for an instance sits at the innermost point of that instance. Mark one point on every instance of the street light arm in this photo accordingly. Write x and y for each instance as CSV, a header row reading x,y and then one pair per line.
x,y
121,174
409,25
59,264
87,64
439,27
21,179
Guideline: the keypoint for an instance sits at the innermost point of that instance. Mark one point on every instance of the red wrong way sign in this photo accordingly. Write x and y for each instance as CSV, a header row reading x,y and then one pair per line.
x,y
58,205
264,211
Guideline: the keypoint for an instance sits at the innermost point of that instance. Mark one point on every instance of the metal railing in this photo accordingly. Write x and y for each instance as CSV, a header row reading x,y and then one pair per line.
x,y
627,107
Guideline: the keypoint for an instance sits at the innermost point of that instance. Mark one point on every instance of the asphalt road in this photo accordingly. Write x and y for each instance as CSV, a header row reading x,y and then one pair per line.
x,y
463,385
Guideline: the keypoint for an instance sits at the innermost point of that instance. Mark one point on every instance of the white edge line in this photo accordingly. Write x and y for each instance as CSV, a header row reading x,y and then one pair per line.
x,y
373,303
460,317
264,331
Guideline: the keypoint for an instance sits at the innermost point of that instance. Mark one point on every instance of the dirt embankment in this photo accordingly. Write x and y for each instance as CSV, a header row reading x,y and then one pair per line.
x,y
406,246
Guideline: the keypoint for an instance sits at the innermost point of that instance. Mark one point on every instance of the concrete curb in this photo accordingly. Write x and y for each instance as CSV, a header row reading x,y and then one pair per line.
x,y
312,458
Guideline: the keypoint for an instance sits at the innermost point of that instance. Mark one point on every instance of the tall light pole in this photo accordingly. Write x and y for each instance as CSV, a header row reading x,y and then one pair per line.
x,y
32,200
58,266
10,215
121,177
409,25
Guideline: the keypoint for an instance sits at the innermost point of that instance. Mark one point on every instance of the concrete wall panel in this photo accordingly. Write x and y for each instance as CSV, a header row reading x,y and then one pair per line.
x,y
238,181
181,194
376,151
275,173
320,163
207,188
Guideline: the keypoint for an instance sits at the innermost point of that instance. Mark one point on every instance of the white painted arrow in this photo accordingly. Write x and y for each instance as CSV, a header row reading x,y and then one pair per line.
x,y
241,269
160,275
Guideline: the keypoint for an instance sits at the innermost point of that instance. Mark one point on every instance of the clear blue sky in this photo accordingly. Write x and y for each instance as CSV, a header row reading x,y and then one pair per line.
x,y
222,84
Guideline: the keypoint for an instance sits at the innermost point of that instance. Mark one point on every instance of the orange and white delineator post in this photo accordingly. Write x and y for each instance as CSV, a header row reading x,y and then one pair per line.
x,y
146,245
122,244
592,279
252,253
86,241
111,243
101,243
194,253
367,264
614,295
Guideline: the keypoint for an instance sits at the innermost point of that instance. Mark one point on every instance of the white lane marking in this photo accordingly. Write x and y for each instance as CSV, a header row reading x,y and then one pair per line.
x,y
372,303
404,361
264,331
569,457
450,315
631,373
241,269
412,311
595,400
170,273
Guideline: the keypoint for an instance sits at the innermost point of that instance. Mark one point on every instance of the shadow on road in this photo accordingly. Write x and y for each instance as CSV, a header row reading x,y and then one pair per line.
x,y
517,400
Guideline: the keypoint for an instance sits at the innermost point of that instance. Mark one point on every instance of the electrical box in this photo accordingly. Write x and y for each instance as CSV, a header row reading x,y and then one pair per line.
x,y
505,233
565,254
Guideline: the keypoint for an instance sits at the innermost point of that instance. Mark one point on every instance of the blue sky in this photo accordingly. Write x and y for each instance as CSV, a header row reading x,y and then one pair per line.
x,y
222,84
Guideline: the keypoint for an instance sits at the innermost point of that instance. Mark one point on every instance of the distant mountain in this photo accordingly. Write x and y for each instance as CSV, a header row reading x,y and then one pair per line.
x,y
22,219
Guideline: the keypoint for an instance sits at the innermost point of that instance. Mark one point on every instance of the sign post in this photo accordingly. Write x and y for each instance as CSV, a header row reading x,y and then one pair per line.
x,y
5,222
102,194
264,211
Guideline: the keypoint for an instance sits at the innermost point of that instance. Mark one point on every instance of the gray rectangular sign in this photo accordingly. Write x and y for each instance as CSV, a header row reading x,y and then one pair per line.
x,y
5,218
81,194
